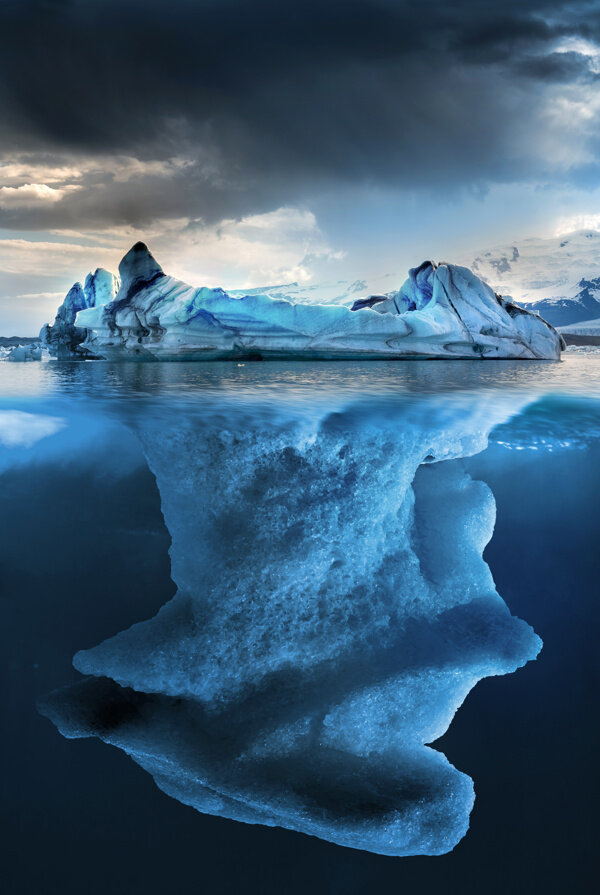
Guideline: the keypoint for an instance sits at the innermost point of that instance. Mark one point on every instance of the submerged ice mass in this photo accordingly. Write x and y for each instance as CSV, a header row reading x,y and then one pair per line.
x,y
441,311
333,610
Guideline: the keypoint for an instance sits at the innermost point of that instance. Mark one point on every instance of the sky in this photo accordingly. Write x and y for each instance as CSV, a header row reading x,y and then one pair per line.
x,y
263,142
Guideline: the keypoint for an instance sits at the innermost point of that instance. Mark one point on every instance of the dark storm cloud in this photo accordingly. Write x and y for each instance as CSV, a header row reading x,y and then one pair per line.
x,y
278,100
558,67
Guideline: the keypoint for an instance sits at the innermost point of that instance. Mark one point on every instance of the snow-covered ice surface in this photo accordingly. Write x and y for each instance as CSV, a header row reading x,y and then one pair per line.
x,y
441,311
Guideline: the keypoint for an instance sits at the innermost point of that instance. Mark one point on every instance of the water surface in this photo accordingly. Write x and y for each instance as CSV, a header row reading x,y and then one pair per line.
x,y
85,555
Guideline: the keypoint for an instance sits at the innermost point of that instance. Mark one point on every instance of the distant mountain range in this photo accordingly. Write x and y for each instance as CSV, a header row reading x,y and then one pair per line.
x,y
558,277
584,306
13,341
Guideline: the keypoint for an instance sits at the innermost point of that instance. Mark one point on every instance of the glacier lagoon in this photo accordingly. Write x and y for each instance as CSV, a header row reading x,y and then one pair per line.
x,y
325,610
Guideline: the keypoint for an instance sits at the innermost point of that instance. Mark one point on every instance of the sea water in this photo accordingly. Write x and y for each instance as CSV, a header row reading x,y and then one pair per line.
x,y
273,578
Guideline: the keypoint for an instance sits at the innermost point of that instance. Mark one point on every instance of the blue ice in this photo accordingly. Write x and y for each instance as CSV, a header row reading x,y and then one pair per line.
x,y
333,611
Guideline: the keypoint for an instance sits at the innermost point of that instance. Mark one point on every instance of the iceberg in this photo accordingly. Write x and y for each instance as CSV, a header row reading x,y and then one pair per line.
x,y
34,351
333,610
63,338
442,310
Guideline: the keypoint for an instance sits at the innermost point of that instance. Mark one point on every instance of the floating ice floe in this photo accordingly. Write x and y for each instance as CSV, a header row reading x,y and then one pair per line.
x,y
583,349
34,351
441,311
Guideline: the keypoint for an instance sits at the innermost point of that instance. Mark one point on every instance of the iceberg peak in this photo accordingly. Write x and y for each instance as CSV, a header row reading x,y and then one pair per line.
x,y
138,268
74,302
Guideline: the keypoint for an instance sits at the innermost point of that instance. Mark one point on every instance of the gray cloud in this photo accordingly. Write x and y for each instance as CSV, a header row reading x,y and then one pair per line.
x,y
563,67
274,102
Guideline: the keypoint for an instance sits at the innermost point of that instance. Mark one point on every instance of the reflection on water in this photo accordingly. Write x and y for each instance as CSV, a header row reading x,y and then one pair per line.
x,y
333,607
575,374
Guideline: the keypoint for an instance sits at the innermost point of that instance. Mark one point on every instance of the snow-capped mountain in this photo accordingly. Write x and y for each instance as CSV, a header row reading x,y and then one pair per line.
x,y
584,306
558,277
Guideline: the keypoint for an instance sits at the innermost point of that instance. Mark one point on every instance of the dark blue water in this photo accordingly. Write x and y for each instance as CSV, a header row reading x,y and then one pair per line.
x,y
84,554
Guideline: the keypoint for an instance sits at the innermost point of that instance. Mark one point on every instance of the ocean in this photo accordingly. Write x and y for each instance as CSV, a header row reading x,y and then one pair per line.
x,y
354,566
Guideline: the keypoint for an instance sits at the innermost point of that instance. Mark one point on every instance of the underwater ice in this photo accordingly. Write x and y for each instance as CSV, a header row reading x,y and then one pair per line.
x,y
333,610
21,429
440,311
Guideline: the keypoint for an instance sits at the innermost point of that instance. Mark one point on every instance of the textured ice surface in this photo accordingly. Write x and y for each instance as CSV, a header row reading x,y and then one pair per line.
x,y
441,311
21,353
333,610
63,337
